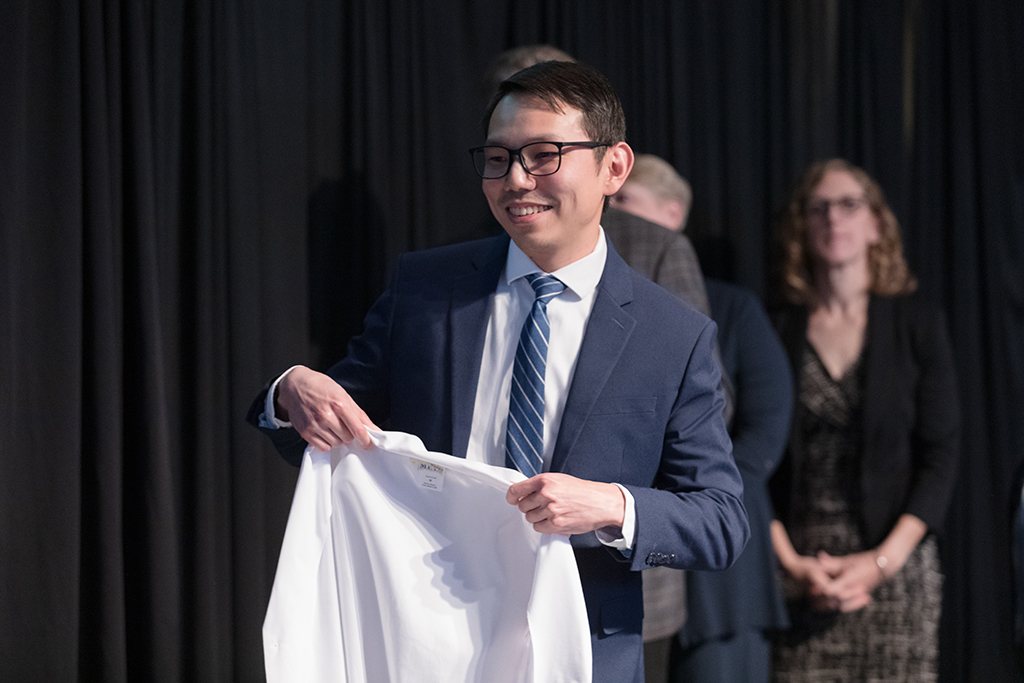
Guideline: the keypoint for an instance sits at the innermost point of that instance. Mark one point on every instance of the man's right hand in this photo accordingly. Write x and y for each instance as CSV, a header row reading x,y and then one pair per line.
x,y
321,410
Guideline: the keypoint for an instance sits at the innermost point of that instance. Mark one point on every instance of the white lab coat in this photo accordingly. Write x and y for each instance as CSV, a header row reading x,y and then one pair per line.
x,y
404,566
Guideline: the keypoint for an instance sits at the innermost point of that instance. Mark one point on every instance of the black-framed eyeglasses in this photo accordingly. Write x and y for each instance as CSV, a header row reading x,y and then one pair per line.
x,y
847,206
537,158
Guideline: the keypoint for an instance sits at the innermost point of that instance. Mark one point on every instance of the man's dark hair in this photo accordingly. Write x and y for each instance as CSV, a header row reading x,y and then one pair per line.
x,y
573,85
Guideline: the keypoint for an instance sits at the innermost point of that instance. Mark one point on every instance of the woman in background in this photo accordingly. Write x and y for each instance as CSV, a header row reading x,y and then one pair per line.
x,y
732,614
872,454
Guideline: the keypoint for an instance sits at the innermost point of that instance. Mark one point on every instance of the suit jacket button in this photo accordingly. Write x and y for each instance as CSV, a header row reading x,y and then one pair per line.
x,y
658,559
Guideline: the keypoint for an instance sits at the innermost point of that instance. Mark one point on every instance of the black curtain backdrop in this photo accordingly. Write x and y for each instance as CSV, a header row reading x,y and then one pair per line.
x,y
195,195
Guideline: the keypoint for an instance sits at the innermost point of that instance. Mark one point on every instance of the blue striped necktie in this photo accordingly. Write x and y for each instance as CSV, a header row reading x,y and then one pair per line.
x,y
524,436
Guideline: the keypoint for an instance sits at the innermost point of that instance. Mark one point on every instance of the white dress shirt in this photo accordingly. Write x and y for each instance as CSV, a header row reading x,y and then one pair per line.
x,y
568,314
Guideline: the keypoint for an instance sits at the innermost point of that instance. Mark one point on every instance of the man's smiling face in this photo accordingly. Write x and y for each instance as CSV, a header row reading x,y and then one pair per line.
x,y
554,219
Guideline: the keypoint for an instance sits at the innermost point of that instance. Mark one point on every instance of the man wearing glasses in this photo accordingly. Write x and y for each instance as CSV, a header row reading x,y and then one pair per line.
x,y
547,353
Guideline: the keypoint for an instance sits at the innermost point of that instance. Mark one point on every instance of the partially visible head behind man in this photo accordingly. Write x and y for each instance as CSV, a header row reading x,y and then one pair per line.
x,y
568,85
661,178
517,59
655,191
889,271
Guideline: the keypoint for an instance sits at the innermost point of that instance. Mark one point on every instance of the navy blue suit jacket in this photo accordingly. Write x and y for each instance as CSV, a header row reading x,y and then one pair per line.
x,y
748,594
644,410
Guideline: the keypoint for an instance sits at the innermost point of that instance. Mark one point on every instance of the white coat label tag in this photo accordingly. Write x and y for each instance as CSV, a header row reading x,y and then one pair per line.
x,y
429,475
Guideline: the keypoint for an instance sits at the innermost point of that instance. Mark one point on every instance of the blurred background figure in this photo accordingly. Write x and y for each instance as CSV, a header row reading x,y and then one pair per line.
x,y
729,614
657,192
872,455
517,59
732,614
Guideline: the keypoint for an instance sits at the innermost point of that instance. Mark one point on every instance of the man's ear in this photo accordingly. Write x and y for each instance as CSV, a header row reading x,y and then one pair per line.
x,y
675,214
685,209
619,162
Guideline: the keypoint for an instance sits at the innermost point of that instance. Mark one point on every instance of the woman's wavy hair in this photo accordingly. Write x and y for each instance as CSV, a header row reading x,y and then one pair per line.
x,y
890,273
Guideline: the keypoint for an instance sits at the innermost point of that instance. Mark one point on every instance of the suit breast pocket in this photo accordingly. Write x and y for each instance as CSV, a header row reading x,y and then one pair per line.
x,y
621,440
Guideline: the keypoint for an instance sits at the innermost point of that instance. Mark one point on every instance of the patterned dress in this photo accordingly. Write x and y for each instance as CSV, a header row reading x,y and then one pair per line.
x,y
895,638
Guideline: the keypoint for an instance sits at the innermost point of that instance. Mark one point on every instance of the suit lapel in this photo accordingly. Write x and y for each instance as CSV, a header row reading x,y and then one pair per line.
x,y
471,294
608,331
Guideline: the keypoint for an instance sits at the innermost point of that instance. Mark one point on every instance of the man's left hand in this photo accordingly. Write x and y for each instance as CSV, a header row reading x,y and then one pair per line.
x,y
561,504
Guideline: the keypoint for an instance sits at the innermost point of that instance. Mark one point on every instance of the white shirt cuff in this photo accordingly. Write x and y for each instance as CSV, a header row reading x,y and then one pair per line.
x,y
268,419
623,540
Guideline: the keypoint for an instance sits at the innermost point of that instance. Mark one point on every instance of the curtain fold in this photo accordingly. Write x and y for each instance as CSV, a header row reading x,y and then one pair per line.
x,y
966,244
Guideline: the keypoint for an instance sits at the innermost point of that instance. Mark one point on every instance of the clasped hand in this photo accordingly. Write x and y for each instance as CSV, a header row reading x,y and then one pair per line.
x,y
842,583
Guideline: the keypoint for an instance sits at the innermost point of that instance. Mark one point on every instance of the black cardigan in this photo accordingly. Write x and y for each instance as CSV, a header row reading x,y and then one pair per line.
x,y
911,415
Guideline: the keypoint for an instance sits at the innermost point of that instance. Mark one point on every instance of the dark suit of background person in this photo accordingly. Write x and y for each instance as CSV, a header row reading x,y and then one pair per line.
x,y
730,613
630,416
909,399
909,422
666,257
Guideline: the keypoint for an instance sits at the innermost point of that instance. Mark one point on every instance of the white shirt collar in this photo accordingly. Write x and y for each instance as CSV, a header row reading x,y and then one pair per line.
x,y
581,277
